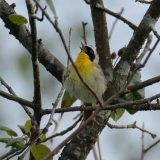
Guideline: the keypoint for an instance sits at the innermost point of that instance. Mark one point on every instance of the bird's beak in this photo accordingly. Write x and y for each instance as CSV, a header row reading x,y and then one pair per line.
x,y
83,48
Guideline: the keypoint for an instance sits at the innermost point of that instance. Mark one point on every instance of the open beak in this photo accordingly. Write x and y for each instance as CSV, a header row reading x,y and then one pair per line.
x,y
83,48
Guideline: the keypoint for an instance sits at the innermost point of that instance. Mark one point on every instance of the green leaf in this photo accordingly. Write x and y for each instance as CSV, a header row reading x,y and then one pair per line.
x,y
28,124
18,19
39,151
116,115
9,131
51,5
17,143
131,111
25,130
43,136
136,95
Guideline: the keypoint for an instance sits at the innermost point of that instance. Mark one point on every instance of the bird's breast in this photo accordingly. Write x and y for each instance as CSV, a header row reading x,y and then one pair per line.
x,y
91,73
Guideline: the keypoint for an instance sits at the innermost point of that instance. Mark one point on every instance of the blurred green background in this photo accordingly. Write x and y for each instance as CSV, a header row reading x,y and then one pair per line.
x,y
16,70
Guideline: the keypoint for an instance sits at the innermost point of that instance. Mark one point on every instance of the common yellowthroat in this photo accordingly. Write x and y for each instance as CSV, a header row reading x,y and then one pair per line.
x,y
87,64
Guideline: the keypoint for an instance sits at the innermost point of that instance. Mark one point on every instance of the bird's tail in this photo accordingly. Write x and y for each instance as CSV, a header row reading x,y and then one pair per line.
x,y
87,114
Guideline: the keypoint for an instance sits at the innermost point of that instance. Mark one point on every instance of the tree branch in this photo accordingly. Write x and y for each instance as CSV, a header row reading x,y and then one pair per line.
x,y
144,1
141,33
16,99
143,84
131,126
114,24
13,93
49,61
85,139
139,105
149,20
55,25
101,36
145,50
34,52
117,15
64,131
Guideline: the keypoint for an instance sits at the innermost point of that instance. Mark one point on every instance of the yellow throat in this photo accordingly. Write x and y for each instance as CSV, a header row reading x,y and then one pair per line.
x,y
83,63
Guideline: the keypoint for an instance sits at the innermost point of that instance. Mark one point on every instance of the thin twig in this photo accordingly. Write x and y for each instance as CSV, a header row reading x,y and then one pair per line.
x,y
81,127
114,24
84,32
90,118
64,131
116,61
137,105
130,126
69,44
55,25
146,49
78,115
150,53
143,84
144,1
65,76
16,99
69,48
146,150
131,25
140,66
58,99
54,106
94,153
25,152
37,18
117,15
155,32
142,138
17,153
56,122
13,93
12,151
99,148
61,91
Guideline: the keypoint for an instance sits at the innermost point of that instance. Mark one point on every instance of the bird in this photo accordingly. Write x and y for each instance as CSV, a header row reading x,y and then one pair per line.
x,y
87,64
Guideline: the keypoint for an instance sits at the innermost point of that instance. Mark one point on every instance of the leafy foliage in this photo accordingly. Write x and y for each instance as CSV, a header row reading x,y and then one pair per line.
x,y
117,114
136,95
25,130
133,96
18,143
18,19
39,151
9,131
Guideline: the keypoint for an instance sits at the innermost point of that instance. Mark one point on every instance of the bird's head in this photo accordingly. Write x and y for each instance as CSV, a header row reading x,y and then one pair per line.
x,y
91,52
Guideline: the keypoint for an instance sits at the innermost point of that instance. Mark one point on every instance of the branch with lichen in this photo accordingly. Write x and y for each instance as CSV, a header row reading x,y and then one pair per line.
x,y
123,67
139,105
23,35
133,125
